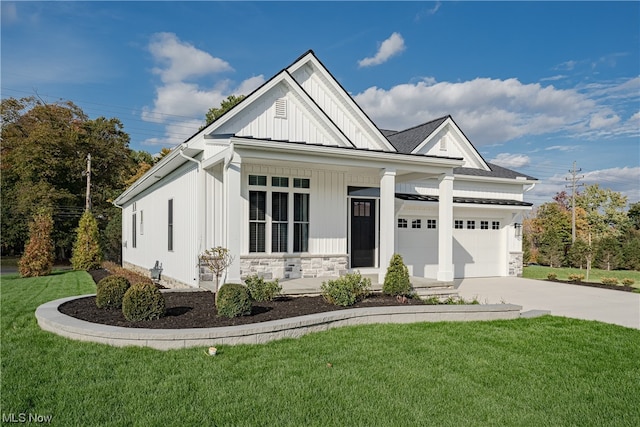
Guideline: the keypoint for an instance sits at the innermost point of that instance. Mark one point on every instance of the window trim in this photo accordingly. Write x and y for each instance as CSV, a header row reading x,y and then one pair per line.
x,y
275,184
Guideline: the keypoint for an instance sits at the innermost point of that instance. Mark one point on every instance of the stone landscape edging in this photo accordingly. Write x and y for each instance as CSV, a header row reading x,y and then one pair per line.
x,y
52,320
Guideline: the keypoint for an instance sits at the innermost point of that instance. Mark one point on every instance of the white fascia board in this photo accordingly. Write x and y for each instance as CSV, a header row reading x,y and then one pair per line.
x,y
164,167
284,151
449,122
346,98
476,178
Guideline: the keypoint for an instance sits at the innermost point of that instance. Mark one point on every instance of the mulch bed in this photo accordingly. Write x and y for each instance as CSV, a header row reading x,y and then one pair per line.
x,y
197,309
623,288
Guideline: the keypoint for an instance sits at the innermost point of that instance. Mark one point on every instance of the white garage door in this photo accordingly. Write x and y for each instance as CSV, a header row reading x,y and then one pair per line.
x,y
478,249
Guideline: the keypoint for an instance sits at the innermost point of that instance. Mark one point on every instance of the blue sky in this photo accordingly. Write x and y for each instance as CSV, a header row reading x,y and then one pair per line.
x,y
535,86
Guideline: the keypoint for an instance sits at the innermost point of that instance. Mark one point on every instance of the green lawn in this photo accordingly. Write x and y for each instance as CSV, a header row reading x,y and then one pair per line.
x,y
544,371
595,275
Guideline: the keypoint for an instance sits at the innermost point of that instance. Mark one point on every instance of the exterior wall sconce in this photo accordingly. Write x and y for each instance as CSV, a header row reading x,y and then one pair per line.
x,y
518,228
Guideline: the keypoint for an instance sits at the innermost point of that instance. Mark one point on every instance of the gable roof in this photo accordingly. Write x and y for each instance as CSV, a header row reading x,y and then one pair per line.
x,y
358,113
408,140
405,141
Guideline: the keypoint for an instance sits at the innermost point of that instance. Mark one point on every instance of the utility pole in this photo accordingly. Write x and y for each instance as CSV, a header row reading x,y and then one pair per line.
x,y
87,202
574,180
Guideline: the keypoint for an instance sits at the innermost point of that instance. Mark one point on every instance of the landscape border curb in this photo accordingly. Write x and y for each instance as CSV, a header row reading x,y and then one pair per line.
x,y
51,319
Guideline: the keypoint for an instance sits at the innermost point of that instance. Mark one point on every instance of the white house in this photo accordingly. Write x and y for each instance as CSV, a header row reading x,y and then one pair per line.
x,y
297,181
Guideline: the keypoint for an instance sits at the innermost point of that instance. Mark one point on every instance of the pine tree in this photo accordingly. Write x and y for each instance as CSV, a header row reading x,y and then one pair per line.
x,y
37,259
87,254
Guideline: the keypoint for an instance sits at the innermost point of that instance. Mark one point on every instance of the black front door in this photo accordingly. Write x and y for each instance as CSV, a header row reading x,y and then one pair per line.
x,y
363,232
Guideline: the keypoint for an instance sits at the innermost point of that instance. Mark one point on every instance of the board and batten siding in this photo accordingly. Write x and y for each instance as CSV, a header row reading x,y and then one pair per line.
x,y
261,121
327,99
152,245
327,205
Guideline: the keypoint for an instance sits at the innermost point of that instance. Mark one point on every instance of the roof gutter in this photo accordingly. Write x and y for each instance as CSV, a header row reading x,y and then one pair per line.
x,y
191,159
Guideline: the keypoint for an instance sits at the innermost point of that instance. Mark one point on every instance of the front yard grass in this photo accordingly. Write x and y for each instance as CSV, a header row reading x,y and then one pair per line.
x,y
544,371
595,275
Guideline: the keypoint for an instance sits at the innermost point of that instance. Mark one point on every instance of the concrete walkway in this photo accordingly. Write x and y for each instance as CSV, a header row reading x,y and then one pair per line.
x,y
580,302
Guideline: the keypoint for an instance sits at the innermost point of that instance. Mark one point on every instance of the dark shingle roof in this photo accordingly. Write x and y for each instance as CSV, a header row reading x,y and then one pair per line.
x,y
407,140
387,132
470,200
495,172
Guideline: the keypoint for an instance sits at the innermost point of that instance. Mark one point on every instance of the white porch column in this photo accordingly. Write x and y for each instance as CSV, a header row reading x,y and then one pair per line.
x,y
234,216
387,219
445,228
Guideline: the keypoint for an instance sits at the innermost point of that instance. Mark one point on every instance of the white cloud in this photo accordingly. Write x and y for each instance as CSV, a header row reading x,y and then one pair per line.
x,y
180,60
388,48
181,102
622,180
493,111
429,12
508,160
563,148
9,13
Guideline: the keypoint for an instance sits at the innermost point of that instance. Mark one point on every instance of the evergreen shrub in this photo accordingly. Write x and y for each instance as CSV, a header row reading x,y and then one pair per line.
x,y
87,254
233,300
261,290
346,290
110,292
396,281
609,280
628,281
143,301
37,259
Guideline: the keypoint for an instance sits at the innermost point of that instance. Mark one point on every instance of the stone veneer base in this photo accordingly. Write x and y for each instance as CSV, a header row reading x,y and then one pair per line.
x,y
52,320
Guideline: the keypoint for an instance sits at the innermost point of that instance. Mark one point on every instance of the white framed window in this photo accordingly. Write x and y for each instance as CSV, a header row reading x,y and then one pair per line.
x,y
495,225
402,223
134,234
431,223
273,203
170,225
416,223
471,225
484,225
458,224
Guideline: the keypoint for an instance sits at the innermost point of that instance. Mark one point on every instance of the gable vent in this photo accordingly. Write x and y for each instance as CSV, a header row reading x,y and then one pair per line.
x,y
443,143
281,108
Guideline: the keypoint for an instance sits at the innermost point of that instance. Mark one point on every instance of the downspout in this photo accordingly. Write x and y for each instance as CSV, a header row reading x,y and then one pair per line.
x,y
225,201
199,222
531,187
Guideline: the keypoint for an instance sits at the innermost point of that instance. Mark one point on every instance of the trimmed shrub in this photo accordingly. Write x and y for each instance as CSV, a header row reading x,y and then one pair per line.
x,y
628,282
576,278
37,259
396,281
609,281
110,292
259,290
143,301
346,290
233,300
87,254
552,276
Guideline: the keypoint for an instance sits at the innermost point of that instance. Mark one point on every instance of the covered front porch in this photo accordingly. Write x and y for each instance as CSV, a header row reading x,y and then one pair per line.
x,y
290,209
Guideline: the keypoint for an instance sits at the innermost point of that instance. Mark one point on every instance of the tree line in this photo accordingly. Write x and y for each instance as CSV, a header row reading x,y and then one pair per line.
x,y
44,151
43,165
607,234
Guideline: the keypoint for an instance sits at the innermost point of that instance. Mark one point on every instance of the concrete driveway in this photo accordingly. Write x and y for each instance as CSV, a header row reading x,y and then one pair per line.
x,y
580,302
